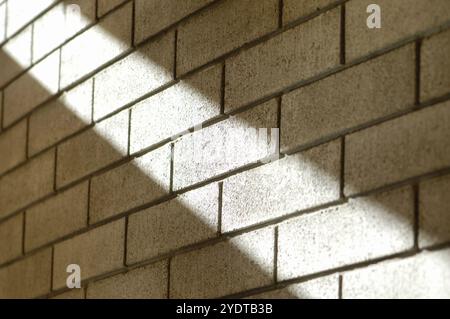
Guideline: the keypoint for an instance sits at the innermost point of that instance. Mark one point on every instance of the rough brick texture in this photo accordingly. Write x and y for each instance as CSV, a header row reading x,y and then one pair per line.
x,y
224,148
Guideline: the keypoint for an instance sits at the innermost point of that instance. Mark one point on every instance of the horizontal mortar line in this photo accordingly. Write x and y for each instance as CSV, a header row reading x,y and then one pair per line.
x,y
29,23
278,285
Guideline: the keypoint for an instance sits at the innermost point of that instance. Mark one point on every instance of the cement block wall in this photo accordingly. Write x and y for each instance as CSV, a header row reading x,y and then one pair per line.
x,y
123,149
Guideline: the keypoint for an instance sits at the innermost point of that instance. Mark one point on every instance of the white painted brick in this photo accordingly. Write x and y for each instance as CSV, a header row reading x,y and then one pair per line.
x,y
408,146
193,217
149,282
105,143
434,211
104,6
225,146
223,28
60,23
96,252
139,73
57,217
22,12
96,46
320,288
11,234
242,263
2,22
136,183
28,278
425,275
27,184
31,89
295,55
395,24
15,56
358,231
153,16
188,103
358,95
61,118
300,181
13,146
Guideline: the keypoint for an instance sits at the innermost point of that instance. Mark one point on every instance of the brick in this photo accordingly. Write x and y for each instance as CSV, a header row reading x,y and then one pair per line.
x,y
71,294
140,72
11,238
294,9
15,56
61,118
358,95
225,146
320,288
28,278
434,212
93,149
105,6
425,275
13,146
96,46
421,145
153,16
400,20
242,263
56,217
223,28
193,216
136,183
297,182
360,230
96,252
435,66
22,12
188,103
149,282
59,24
2,22
27,184
295,55
31,89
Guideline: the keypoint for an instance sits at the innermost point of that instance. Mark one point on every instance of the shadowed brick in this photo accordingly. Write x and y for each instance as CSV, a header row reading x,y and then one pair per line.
x,y
28,183
350,98
193,216
294,55
28,278
422,276
104,6
56,217
96,252
400,19
300,181
141,72
13,146
149,282
61,118
408,146
141,181
11,238
223,28
360,230
294,9
71,294
176,109
227,145
31,89
93,149
434,211
435,66
96,46
242,263
153,16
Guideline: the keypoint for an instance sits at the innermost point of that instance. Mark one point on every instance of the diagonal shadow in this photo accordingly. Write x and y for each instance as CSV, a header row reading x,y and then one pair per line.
x,y
172,225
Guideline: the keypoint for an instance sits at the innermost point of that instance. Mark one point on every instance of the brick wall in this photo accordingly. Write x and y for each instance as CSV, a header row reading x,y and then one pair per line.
x,y
100,117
